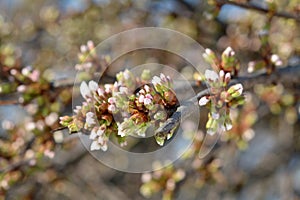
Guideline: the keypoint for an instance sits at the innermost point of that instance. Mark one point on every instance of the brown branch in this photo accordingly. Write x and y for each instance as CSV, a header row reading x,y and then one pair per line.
x,y
9,102
182,112
258,8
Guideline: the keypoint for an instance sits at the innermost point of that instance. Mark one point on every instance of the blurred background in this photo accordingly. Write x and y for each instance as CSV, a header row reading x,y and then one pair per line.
x,y
47,35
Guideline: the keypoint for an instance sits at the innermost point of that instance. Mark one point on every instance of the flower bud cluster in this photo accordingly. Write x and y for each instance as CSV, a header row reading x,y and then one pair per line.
x,y
227,63
222,97
119,109
89,61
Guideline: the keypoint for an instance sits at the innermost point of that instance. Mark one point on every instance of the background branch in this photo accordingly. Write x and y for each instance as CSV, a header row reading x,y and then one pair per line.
x,y
258,8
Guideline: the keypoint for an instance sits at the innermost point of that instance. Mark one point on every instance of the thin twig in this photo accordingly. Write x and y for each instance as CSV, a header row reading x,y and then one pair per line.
x,y
258,8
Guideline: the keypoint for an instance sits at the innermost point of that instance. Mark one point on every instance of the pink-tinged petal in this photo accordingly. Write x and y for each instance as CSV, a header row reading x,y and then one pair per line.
x,y
147,101
148,96
112,100
112,108
100,92
34,76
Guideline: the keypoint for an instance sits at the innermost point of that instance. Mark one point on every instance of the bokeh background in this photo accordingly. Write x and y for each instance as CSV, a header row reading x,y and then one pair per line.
x,y
47,34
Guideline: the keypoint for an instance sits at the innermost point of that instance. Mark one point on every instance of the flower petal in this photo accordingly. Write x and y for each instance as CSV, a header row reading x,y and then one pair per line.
x,y
95,146
93,134
211,75
93,86
203,101
84,90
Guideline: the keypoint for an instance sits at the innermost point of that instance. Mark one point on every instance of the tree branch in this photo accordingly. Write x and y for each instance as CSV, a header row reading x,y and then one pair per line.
x,y
258,8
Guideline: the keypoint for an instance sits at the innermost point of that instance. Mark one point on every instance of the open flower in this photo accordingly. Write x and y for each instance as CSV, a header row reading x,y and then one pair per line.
x,y
211,75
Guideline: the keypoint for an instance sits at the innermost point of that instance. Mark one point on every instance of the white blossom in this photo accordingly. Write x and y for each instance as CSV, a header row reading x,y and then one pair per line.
x,y
90,44
276,60
51,118
108,88
100,140
141,98
147,101
123,90
147,88
112,100
93,134
21,88
227,77
100,92
121,132
93,86
126,74
100,131
112,108
84,90
83,48
229,52
211,75
104,147
90,118
203,101
95,146
156,80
